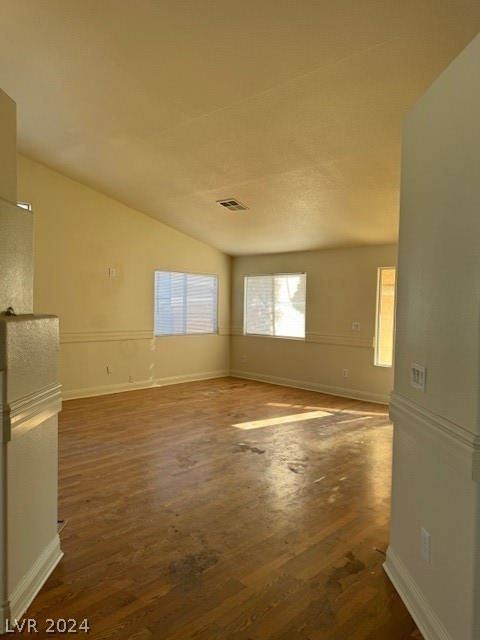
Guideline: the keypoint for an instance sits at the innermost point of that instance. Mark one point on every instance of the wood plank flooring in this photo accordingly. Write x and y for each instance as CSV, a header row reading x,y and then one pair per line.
x,y
225,510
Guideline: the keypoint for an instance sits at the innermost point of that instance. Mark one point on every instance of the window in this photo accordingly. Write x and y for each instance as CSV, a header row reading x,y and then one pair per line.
x,y
385,325
185,303
24,205
275,305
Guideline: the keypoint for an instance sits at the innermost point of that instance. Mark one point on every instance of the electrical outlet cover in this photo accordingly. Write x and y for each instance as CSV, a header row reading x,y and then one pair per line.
x,y
418,374
425,544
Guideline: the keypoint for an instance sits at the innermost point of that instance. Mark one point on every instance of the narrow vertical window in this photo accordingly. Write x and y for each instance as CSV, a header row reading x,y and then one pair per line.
x,y
385,324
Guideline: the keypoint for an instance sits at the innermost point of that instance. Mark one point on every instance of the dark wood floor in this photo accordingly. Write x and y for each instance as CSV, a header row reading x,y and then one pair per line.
x,y
225,510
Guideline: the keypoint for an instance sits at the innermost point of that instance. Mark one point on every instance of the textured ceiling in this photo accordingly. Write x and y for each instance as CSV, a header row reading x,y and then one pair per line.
x,y
294,107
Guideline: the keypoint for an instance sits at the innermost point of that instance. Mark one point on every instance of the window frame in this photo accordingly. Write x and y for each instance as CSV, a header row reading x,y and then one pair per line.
x,y
273,335
214,276
377,338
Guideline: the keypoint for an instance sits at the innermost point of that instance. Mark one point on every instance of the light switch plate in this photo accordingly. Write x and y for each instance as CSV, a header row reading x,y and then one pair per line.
x,y
418,373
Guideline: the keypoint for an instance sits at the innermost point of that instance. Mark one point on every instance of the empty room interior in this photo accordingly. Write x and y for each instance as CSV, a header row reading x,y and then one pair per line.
x,y
239,319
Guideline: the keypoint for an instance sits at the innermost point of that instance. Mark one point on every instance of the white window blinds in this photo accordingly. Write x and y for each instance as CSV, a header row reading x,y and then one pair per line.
x,y
185,303
275,305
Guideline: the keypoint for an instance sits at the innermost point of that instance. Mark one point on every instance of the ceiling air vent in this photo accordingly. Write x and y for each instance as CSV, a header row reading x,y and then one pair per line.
x,y
232,205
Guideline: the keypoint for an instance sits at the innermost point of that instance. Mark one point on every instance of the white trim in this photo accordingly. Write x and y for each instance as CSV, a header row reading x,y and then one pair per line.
x,y
4,616
68,337
342,341
317,338
416,603
142,384
29,411
354,394
454,444
76,337
31,583
26,206
343,392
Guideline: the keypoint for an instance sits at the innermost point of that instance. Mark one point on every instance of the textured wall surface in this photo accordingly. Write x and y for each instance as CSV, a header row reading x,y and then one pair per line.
x,y
29,353
435,470
16,258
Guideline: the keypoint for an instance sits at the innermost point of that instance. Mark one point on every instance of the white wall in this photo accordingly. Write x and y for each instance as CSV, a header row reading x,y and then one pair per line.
x,y
78,235
437,447
341,289
32,521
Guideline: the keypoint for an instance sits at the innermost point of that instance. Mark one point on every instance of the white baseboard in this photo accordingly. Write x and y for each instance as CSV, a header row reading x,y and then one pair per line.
x,y
142,384
31,584
420,610
208,375
354,394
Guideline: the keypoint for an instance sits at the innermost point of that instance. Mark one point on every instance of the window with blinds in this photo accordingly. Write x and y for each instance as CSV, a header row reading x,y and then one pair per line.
x,y
275,305
185,303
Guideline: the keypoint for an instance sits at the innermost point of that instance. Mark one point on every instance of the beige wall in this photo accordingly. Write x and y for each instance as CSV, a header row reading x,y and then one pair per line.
x,y
8,148
16,258
341,289
78,235
436,472
29,402
15,225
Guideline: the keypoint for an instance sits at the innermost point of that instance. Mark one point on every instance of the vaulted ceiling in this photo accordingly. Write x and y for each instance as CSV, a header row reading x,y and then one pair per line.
x,y
293,107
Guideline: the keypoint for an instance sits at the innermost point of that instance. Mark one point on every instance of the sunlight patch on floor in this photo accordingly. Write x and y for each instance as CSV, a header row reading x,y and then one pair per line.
x,y
354,419
271,422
